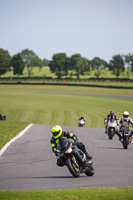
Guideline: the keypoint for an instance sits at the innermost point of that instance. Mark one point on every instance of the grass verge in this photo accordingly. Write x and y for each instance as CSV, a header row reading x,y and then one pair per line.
x,y
9,129
125,193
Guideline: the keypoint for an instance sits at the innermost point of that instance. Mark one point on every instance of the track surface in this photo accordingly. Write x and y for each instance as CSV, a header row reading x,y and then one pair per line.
x,y
29,164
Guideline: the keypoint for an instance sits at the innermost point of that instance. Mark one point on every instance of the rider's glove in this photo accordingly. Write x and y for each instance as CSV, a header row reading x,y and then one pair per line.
x,y
56,150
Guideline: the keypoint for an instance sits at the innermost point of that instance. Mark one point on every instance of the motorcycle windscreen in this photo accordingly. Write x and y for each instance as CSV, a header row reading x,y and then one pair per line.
x,y
126,130
63,144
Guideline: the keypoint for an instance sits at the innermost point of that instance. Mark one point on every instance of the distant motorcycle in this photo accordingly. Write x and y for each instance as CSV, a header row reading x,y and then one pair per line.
x,y
126,137
81,123
71,156
111,128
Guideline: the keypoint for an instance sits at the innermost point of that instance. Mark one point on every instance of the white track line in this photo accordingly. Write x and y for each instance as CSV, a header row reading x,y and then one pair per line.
x,y
13,139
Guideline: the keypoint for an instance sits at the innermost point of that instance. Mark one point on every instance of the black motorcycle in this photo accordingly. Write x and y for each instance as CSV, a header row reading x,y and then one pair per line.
x,y
126,136
74,158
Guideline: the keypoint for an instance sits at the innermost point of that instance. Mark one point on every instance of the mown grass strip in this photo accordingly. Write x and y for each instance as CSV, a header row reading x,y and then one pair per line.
x,y
43,108
125,193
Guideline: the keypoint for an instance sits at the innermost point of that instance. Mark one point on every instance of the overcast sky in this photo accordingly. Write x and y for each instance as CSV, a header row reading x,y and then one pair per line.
x,y
101,28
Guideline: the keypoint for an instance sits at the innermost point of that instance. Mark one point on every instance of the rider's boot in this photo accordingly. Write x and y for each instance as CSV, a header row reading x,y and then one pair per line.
x,y
130,139
88,156
120,138
119,135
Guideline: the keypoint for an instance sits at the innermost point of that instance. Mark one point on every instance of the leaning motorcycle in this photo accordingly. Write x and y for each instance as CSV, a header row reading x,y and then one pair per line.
x,y
126,136
81,123
111,128
71,156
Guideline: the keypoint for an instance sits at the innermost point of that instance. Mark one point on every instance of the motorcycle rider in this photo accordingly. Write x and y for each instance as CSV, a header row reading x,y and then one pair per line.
x,y
108,117
82,117
124,122
57,133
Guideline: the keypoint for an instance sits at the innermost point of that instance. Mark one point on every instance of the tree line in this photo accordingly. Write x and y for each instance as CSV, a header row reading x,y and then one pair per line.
x,y
61,65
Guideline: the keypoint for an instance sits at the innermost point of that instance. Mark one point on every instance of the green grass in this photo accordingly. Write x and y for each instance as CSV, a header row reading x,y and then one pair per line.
x,y
125,193
64,109
44,72
9,129
33,105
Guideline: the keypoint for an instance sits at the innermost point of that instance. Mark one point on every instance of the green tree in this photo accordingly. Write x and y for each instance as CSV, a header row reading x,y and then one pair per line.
x,y
116,65
17,64
129,61
45,62
30,60
85,66
98,65
76,64
58,65
4,61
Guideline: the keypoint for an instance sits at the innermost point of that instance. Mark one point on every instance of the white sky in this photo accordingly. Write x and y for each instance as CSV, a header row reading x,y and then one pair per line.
x,y
101,28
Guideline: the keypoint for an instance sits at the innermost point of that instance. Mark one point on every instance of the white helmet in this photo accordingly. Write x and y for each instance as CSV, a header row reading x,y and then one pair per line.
x,y
126,114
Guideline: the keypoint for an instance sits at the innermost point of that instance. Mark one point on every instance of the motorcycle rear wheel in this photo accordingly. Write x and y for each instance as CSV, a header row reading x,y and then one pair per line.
x,y
90,170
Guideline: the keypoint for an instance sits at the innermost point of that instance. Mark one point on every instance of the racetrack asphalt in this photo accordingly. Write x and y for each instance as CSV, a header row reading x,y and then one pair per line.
x,y
29,164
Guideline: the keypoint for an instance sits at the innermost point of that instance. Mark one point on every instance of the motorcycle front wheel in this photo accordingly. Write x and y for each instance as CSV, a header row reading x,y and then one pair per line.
x,y
111,134
73,167
125,143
